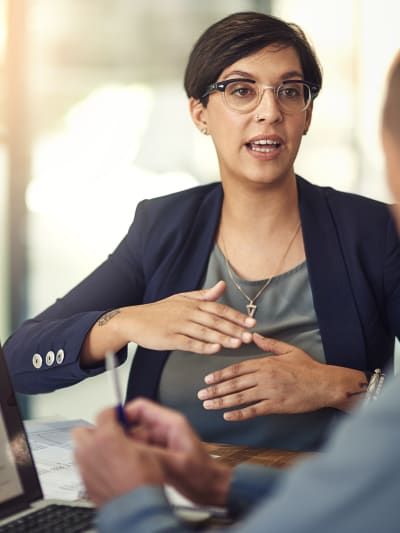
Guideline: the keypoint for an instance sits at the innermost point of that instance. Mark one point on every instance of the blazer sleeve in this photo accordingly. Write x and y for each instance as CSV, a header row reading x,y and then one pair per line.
x,y
145,510
43,353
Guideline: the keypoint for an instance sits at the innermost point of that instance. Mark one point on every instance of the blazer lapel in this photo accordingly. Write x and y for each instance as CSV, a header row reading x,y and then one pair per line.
x,y
338,318
185,267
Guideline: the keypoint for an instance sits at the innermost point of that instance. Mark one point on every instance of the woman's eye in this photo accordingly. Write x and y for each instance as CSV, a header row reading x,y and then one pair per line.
x,y
241,91
290,92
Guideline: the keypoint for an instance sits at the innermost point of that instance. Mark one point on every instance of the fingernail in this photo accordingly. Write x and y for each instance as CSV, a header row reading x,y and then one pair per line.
x,y
247,337
234,342
213,348
209,378
202,394
207,404
250,322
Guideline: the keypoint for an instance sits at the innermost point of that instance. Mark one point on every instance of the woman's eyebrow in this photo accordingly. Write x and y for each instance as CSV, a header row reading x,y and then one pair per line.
x,y
284,76
241,73
292,74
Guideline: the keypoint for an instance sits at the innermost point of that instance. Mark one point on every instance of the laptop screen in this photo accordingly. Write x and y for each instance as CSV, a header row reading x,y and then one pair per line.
x,y
10,484
19,482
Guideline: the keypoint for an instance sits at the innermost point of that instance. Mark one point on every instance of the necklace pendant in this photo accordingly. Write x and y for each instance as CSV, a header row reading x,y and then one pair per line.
x,y
251,309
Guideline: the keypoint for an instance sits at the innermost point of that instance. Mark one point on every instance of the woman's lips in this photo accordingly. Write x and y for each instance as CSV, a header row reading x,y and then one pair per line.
x,y
265,148
264,145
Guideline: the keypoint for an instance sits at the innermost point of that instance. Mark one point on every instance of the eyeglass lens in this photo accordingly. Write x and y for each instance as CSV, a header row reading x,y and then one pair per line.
x,y
293,97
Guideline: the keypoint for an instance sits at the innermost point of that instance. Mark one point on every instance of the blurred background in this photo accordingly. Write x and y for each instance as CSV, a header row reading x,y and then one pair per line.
x,y
94,118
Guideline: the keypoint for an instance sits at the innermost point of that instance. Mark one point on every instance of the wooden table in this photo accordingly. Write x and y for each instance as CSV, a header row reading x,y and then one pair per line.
x,y
233,455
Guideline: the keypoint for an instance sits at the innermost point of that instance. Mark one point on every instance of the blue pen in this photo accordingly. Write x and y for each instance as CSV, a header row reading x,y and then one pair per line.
x,y
112,367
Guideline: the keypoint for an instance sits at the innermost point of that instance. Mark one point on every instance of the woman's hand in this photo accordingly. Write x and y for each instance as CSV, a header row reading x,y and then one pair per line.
x,y
191,321
290,381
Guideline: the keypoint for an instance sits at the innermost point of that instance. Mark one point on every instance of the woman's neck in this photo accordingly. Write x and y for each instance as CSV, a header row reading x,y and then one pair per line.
x,y
260,232
264,208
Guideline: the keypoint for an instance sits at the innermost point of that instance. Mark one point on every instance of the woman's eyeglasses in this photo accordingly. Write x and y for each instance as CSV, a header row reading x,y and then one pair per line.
x,y
244,95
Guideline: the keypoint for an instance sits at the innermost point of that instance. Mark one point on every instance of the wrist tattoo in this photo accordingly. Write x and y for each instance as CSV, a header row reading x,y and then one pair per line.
x,y
102,321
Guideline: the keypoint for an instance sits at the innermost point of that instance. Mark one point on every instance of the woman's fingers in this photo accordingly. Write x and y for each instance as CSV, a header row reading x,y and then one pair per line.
x,y
211,294
230,386
272,345
228,336
260,408
182,322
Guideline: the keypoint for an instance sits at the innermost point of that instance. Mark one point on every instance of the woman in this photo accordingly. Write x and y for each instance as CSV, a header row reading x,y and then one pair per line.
x,y
314,270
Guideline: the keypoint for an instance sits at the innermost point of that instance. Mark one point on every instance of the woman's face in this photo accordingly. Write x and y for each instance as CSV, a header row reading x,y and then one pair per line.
x,y
234,133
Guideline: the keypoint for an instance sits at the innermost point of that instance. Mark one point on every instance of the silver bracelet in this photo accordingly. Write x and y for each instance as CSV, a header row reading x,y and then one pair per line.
x,y
375,385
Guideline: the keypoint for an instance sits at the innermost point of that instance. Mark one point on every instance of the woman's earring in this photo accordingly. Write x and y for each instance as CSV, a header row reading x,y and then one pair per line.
x,y
305,131
204,131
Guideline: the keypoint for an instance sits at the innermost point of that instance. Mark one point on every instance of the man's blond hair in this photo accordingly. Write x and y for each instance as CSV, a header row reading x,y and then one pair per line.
x,y
391,110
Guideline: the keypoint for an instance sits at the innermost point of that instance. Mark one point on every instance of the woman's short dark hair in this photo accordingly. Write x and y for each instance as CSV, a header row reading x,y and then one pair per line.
x,y
240,35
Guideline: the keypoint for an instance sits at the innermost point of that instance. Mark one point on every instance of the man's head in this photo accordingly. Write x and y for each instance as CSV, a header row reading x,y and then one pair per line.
x,y
391,131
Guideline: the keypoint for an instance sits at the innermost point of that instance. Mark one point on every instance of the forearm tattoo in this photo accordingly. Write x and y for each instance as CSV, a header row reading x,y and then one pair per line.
x,y
107,317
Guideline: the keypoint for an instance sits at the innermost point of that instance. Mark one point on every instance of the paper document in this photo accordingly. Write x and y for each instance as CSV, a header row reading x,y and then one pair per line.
x,y
52,449
190,510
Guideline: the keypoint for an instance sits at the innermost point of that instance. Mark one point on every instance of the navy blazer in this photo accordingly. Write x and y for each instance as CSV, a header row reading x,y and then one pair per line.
x,y
353,259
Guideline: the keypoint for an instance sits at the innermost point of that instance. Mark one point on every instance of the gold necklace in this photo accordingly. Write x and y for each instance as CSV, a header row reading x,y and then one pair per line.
x,y
251,306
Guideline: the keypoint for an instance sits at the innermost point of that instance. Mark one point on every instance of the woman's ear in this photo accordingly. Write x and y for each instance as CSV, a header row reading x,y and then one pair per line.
x,y
199,115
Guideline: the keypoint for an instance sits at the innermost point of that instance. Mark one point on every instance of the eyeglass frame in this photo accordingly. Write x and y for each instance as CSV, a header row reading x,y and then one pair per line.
x,y
222,85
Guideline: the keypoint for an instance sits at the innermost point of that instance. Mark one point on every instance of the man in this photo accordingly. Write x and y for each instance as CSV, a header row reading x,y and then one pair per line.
x,y
353,485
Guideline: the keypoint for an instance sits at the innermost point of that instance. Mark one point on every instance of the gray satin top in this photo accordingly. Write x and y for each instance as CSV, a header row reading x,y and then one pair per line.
x,y
285,311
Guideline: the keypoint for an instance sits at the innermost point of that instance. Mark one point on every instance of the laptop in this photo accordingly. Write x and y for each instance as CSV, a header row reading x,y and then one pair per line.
x,y
22,506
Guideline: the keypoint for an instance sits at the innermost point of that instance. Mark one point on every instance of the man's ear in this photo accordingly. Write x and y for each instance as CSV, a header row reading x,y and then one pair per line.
x,y
199,114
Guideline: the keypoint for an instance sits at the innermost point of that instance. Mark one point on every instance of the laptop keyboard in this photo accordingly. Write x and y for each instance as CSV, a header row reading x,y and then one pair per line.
x,y
53,518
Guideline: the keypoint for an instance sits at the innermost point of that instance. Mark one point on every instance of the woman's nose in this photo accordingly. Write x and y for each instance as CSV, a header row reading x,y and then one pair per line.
x,y
268,107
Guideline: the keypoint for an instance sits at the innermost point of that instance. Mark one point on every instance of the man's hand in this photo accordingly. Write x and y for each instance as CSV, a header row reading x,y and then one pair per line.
x,y
160,448
110,462
186,462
